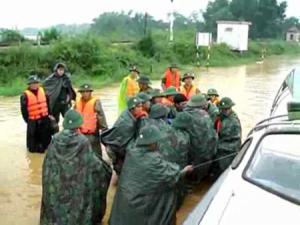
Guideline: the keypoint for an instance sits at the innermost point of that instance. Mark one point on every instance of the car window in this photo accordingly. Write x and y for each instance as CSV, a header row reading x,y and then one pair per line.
x,y
238,159
276,166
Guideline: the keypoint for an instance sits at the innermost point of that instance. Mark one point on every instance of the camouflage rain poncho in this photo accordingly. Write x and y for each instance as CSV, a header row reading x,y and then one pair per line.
x,y
119,136
213,111
75,182
203,142
146,193
229,140
175,145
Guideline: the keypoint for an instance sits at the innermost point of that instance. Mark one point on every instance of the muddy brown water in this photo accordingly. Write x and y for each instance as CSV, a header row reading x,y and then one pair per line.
x,y
252,87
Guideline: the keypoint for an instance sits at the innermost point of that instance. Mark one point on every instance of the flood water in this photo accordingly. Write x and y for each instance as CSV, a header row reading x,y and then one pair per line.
x,y
252,87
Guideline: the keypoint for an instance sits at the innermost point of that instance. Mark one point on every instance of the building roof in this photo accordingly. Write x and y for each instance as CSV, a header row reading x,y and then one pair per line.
x,y
234,22
294,29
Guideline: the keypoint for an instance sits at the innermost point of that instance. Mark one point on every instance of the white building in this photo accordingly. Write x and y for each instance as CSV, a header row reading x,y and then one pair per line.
x,y
234,34
203,39
293,34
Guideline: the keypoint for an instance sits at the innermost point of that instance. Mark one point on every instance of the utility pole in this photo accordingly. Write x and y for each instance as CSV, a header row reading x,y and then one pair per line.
x,y
145,23
172,22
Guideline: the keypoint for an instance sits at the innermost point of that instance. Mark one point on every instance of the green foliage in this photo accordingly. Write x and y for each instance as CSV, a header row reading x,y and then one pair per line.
x,y
82,52
147,46
91,58
216,10
9,37
50,35
267,16
289,23
119,26
13,87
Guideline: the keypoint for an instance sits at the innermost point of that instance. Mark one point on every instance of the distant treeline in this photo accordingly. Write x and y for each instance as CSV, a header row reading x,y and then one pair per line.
x,y
267,17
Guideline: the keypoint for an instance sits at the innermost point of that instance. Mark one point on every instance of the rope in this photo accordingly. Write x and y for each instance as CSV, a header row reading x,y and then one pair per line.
x,y
214,160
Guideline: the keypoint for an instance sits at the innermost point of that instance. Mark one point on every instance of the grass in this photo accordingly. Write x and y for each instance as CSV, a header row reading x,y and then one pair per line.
x,y
13,88
109,70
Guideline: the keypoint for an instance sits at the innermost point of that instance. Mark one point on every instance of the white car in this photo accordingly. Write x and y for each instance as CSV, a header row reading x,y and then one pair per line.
x,y
262,186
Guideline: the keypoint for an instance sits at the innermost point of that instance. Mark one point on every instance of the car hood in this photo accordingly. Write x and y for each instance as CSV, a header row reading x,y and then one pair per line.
x,y
248,204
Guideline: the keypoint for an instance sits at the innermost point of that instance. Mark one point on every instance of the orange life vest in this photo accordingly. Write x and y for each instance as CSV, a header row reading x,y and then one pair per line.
x,y
36,104
188,93
172,79
132,87
89,115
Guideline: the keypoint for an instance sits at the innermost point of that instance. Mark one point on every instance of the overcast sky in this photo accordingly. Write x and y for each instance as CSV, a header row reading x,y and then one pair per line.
x,y
44,13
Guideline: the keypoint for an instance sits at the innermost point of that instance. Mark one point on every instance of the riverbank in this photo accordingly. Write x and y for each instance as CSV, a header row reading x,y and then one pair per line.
x,y
103,64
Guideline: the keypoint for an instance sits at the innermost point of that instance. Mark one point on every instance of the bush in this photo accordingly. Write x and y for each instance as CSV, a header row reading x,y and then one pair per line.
x,y
89,57
146,46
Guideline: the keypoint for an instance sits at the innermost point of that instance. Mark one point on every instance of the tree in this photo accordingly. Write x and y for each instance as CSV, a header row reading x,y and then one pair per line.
x,y
50,35
289,23
124,26
267,16
243,10
217,10
8,36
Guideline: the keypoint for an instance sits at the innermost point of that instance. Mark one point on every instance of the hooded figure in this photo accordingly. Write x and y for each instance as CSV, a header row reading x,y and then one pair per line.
x,y
60,91
75,179
229,130
146,193
123,132
169,145
174,147
203,137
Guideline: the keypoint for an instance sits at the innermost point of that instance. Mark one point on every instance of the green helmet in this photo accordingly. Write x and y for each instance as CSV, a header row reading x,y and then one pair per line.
x,y
85,87
197,101
144,80
170,91
226,103
149,135
173,65
212,92
156,93
143,97
205,96
133,102
182,120
188,75
33,79
158,111
72,120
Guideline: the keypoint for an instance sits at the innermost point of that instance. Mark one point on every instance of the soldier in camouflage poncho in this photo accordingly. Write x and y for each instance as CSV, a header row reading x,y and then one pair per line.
x,y
158,118
174,147
146,193
203,137
229,130
212,111
75,180
123,133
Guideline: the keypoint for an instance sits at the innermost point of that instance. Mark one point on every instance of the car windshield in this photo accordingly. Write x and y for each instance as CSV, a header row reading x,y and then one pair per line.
x,y
276,166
